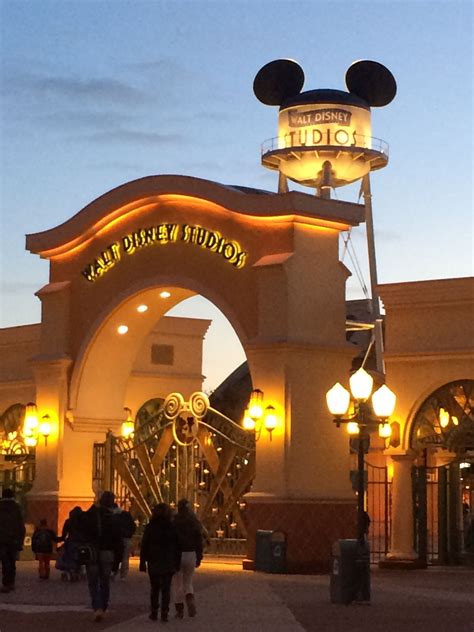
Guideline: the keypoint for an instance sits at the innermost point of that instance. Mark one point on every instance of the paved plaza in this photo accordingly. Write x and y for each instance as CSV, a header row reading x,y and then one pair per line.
x,y
228,599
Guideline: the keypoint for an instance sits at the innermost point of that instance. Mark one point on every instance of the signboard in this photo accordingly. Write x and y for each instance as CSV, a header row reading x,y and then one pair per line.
x,y
162,234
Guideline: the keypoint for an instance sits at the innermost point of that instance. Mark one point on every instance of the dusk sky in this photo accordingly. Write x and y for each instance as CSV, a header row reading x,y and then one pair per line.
x,y
98,93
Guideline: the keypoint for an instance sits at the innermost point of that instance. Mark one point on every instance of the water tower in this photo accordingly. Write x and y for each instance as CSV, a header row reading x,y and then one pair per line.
x,y
325,139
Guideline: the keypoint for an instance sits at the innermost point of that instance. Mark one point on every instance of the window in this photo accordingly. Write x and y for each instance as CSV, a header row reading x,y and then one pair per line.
x,y
162,354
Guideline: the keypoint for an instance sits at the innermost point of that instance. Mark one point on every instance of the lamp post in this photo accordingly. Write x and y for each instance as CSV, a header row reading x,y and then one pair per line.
x,y
364,412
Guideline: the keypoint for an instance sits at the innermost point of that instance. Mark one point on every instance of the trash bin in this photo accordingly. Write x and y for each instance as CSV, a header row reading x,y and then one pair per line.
x,y
350,572
270,551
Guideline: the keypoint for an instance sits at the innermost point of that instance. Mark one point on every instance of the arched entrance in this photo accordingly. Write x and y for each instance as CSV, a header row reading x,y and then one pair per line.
x,y
442,435
270,263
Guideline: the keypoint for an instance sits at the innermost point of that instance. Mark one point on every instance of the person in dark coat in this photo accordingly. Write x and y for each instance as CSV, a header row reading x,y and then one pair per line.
x,y
190,538
42,545
12,534
73,538
101,530
160,553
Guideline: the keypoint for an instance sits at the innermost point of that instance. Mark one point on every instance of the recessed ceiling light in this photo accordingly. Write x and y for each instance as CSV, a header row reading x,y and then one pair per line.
x,y
122,329
142,308
165,294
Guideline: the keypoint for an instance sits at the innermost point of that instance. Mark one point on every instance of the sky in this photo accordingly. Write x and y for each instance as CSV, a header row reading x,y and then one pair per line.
x,y
97,93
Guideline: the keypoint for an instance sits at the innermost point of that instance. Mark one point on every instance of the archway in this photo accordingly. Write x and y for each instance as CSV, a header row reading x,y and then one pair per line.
x,y
270,263
442,434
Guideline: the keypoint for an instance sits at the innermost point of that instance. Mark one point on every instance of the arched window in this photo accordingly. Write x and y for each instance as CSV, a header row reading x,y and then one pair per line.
x,y
446,418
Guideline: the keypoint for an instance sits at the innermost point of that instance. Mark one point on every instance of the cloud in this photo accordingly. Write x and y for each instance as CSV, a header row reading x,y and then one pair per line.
x,y
93,90
132,137
86,119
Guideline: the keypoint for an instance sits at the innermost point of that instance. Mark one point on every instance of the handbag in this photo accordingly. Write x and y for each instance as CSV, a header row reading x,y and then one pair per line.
x,y
86,553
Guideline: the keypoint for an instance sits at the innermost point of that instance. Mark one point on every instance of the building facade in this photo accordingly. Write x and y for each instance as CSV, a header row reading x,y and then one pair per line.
x,y
270,263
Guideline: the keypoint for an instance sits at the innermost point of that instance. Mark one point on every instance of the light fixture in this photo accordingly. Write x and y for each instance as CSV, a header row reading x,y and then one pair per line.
x,y
256,417
122,329
31,441
142,308
270,419
338,400
31,418
128,426
385,431
362,417
45,428
353,428
165,294
255,407
248,423
361,384
383,402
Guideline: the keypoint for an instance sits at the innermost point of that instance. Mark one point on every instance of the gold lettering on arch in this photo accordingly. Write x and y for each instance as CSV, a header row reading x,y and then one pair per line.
x,y
163,234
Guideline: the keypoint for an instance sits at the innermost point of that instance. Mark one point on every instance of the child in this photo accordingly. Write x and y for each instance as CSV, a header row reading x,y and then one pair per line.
x,y
42,545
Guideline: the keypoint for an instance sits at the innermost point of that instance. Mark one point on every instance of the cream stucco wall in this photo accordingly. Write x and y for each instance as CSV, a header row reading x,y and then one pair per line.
x,y
17,346
429,340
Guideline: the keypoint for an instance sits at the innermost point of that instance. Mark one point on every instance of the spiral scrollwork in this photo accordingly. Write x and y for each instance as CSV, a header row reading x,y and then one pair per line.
x,y
173,405
198,405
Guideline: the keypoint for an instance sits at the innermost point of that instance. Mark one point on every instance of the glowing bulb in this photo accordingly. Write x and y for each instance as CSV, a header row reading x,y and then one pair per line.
x,y
165,294
443,418
361,384
338,400
385,430
353,428
122,329
45,426
142,308
248,423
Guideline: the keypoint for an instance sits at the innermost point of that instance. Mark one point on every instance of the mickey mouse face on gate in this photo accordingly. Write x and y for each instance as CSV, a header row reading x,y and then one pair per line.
x,y
280,82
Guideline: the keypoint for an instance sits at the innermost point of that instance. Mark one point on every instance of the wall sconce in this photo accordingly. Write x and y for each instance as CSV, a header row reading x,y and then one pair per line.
x,y
31,419
256,417
128,426
30,425
45,428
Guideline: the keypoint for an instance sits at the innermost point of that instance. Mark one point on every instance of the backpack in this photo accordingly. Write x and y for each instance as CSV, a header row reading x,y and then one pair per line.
x,y
42,540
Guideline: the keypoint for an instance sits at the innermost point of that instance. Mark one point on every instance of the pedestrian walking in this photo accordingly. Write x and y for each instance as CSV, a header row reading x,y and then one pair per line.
x,y
42,545
190,540
102,543
159,554
73,537
128,528
12,534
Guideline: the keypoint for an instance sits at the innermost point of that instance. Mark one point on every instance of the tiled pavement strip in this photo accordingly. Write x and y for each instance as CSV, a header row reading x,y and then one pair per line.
x,y
228,599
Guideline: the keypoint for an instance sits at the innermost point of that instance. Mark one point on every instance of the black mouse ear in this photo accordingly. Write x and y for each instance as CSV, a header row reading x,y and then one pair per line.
x,y
277,81
372,82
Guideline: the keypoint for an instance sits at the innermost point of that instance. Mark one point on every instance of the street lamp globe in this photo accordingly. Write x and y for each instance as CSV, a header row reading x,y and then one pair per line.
x,y
361,384
338,399
383,402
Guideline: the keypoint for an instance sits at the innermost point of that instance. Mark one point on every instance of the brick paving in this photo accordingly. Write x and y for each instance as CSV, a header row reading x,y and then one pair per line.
x,y
229,599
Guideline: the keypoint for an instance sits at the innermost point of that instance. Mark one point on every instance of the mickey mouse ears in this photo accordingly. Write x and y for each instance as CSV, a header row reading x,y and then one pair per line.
x,y
277,81
372,82
284,78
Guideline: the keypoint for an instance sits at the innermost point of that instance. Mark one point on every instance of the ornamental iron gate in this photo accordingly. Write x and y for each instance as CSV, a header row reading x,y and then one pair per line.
x,y
182,450
379,508
441,511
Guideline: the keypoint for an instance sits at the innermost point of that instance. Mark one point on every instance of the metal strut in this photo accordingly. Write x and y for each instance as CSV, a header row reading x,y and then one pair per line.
x,y
378,334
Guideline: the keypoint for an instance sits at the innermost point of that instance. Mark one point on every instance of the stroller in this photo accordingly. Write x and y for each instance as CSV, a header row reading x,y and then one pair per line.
x,y
67,562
